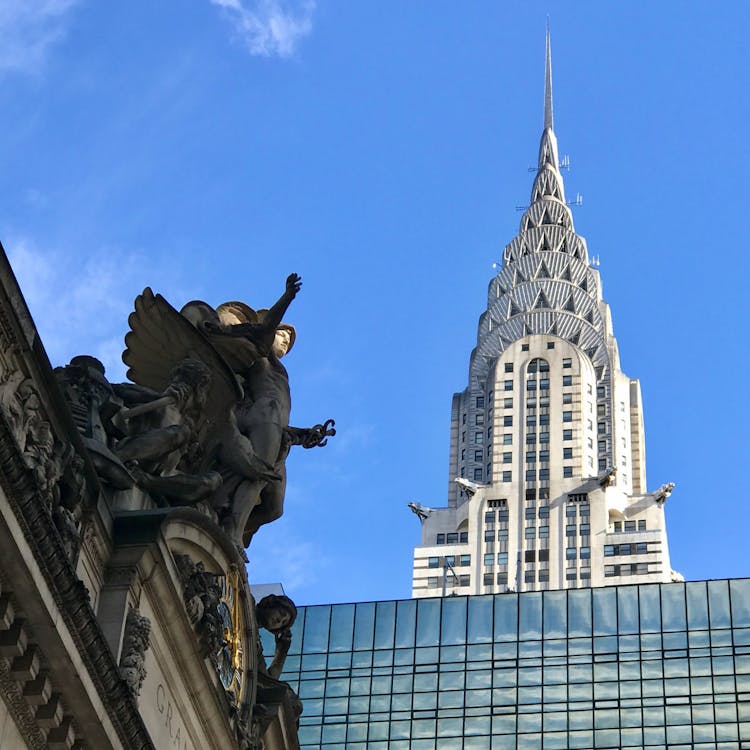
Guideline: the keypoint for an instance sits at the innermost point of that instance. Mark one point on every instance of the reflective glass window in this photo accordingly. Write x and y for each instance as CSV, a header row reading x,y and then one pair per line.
x,y
428,622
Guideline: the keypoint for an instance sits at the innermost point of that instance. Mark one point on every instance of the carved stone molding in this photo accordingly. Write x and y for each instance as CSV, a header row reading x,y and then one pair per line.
x,y
136,642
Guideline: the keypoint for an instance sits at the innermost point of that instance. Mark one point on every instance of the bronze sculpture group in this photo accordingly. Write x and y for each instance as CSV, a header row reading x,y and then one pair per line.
x,y
205,418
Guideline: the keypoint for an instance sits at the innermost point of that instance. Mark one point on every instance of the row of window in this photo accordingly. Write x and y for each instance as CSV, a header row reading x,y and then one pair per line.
x,y
454,560
619,526
434,582
629,569
612,550
453,538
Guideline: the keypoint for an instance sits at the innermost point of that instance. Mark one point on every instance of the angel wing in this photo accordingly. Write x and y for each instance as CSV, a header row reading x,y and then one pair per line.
x,y
160,338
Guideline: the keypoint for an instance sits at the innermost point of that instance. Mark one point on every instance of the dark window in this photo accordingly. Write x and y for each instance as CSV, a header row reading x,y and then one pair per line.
x,y
479,438
567,416
544,384
451,538
508,385
543,555
601,428
489,516
530,475
507,403
544,532
530,420
544,419
502,578
529,576
489,536
570,529
570,553
570,510
544,493
567,398
464,580
463,454
506,476
480,402
529,555
567,380
544,437
600,391
544,455
567,362
530,457
507,458
508,367
524,347
567,471
571,574
479,419
550,345
567,434
641,548
629,525
531,385
531,437
478,455
440,539
464,560
642,525
585,529
543,576
585,553
544,511
477,475
502,515
567,453
543,473
530,513
508,421
508,439
487,579
586,573
463,537
433,562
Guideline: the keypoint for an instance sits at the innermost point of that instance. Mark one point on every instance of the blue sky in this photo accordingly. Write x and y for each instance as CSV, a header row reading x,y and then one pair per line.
x,y
379,149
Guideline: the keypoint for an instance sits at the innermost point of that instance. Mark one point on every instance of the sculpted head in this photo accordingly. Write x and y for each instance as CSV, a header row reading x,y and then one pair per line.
x,y
276,613
284,340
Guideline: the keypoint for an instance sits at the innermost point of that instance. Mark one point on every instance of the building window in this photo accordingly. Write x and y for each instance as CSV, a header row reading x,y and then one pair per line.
x,y
440,539
531,420
451,538
489,559
489,536
567,362
477,475
544,437
585,529
507,458
544,455
543,473
567,380
578,497
567,416
642,525
567,453
502,578
507,403
629,525
479,419
508,421
529,576
463,436
550,345
530,475
489,472
567,471
530,457
544,493
601,428
502,558
611,570
433,562
567,398
530,513
508,367
544,511
464,560
571,574
544,384
478,455
464,580
489,451
508,385
601,410
489,516
432,582
585,553
600,391
508,439
488,579
570,553
524,347
543,576
570,529
450,560
531,385
463,454
480,402
479,438
544,532
543,555
463,537
531,437
529,532
507,476
586,573
489,432
529,555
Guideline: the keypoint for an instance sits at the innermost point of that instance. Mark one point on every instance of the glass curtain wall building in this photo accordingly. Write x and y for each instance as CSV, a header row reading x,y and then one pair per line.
x,y
637,666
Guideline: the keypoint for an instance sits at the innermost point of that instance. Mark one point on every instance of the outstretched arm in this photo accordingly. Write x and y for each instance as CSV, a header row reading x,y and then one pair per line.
x,y
275,314
311,437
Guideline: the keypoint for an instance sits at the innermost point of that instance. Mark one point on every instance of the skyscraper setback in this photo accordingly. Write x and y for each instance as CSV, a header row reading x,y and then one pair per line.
x,y
547,471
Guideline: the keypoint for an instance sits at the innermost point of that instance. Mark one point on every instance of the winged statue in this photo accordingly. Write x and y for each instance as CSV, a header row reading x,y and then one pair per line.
x,y
205,418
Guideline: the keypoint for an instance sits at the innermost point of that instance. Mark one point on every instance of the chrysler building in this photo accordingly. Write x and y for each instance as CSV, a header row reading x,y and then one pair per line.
x,y
547,471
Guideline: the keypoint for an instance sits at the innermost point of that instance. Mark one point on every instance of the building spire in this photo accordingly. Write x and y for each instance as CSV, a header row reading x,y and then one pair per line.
x,y
548,119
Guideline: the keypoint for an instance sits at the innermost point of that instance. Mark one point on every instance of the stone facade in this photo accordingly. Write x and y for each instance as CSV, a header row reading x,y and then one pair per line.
x,y
547,472
126,623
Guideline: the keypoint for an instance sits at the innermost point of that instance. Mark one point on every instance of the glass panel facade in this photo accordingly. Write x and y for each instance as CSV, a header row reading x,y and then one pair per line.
x,y
642,666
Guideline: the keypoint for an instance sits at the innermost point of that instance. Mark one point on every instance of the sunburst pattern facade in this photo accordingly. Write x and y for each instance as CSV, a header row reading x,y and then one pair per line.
x,y
547,476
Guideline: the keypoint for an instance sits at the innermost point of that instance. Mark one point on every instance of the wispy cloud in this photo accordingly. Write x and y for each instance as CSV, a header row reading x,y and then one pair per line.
x,y
29,28
80,306
269,28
